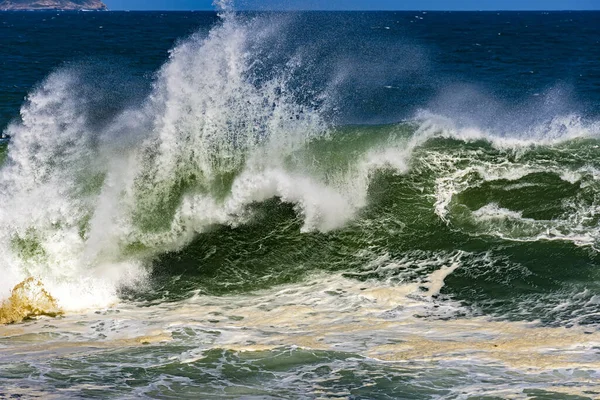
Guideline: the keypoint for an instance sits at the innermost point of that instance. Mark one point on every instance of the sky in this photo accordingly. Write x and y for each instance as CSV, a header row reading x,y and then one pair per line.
x,y
454,5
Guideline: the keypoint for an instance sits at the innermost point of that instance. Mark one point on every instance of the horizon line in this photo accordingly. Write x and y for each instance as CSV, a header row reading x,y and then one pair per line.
x,y
304,10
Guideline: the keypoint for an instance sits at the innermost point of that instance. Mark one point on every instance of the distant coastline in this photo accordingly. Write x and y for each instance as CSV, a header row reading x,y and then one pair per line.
x,y
44,5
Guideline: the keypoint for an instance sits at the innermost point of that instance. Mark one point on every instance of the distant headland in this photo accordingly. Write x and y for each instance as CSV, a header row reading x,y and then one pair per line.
x,y
31,5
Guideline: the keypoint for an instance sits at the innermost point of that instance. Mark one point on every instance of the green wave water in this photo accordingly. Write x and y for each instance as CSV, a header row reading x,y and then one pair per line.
x,y
521,214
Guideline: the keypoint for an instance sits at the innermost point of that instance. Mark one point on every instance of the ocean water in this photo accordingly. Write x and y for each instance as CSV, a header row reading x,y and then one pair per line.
x,y
382,205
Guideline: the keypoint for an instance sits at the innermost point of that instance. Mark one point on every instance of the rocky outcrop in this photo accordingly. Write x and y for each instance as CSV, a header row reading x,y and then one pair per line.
x,y
28,300
26,5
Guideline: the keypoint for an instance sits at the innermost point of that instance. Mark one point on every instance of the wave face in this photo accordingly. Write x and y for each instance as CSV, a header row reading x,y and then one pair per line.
x,y
268,197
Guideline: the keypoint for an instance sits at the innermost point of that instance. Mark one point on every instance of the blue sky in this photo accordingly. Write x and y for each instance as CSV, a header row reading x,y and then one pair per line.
x,y
360,4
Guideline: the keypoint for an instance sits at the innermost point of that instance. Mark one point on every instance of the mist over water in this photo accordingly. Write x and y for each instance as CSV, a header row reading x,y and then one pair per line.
x,y
326,188
96,187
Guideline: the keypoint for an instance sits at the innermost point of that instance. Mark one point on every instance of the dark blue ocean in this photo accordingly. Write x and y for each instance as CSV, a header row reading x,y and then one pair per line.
x,y
262,205
481,63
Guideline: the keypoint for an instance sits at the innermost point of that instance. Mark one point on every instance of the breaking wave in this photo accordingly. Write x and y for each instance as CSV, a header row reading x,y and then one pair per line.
x,y
106,186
